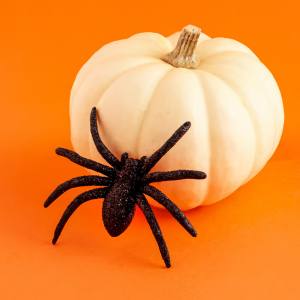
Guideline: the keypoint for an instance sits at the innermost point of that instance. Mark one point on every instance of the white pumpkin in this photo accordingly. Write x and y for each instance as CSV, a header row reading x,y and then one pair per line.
x,y
229,96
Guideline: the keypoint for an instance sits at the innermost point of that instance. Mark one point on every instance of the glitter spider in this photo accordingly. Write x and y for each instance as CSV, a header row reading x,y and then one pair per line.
x,y
124,187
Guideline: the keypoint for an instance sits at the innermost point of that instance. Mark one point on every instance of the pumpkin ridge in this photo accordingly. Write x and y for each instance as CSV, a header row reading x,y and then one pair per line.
x,y
275,108
242,107
208,178
147,108
124,74
108,60
90,142
103,54
253,123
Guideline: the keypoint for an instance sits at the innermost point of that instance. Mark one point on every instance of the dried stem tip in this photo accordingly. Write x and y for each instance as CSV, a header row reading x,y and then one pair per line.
x,y
183,55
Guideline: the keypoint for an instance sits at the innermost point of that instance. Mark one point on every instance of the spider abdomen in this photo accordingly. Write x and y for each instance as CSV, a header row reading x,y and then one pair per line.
x,y
117,212
119,203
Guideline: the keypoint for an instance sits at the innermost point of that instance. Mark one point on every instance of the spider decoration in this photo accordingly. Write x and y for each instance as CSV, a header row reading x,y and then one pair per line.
x,y
124,187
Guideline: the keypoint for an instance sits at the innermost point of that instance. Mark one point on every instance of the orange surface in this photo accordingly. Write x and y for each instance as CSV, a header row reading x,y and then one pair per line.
x,y
248,245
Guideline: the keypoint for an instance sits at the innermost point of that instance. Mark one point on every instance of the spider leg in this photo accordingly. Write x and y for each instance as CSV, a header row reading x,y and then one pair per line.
x,y
174,175
84,197
158,154
171,207
77,182
150,217
102,149
85,162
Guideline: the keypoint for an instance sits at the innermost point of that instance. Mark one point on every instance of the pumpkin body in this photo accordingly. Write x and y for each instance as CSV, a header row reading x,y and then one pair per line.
x,y
231,99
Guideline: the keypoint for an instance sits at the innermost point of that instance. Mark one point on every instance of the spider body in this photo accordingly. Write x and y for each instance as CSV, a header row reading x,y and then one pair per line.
x,y
118,206
123,187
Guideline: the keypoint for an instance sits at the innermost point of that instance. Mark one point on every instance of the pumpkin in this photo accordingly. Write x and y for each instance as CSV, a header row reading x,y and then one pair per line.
x,y
146,86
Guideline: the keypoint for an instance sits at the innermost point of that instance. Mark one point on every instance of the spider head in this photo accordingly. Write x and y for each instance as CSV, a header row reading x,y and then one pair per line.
x,y
134,162
129,164
131,168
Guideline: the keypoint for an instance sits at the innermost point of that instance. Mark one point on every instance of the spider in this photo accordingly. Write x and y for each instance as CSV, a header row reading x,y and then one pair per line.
x,y
124,187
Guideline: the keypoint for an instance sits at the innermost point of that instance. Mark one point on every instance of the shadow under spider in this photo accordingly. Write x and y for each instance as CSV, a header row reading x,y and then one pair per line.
x,y
123,187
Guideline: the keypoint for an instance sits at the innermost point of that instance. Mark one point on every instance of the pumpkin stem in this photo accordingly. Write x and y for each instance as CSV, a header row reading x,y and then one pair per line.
x,y
183,55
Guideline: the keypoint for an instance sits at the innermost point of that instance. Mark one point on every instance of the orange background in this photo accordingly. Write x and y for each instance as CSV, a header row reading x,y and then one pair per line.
x,y
248,245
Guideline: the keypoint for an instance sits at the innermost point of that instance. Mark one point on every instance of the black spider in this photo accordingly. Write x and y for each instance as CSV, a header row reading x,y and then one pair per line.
x,y
124,187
